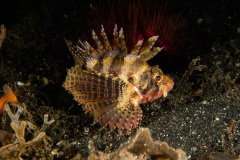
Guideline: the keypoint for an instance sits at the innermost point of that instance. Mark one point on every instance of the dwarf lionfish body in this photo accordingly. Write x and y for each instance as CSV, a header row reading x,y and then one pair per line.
x,y
115,81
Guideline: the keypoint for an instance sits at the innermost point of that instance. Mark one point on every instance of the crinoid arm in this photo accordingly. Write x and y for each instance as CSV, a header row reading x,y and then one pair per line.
x,y
103,96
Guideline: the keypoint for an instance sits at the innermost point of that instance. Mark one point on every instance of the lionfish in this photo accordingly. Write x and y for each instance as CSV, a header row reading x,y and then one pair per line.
x,y
115,81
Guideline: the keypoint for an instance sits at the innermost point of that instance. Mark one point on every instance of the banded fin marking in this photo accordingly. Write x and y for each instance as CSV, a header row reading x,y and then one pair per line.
x,y
122,44
92,89
145,53
124,117
106,42
100,47
79,54
137,48
116,40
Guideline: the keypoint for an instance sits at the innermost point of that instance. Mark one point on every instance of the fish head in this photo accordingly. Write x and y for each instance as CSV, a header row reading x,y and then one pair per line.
x,y
158,85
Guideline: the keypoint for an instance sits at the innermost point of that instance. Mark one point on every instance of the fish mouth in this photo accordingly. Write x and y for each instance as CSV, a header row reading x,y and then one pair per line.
x,y
164,91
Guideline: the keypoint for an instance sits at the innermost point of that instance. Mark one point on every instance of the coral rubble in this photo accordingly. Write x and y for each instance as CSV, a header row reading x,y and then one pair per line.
x,y
19,127
140,147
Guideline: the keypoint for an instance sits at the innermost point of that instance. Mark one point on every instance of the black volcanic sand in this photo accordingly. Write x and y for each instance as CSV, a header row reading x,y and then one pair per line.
x,y
202,116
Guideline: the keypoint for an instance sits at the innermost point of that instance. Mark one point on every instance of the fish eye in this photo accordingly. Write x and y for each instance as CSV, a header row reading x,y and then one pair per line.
x,y
157,78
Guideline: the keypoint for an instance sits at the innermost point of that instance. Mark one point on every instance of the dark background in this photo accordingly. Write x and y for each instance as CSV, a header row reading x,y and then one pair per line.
x,y
35,49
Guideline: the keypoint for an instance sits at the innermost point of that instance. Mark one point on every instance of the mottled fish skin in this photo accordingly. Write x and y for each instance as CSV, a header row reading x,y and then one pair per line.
x,y
115,81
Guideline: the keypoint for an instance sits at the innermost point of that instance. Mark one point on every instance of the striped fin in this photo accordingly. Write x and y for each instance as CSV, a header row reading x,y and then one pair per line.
x,y
89,50
78,53
106,42
100,47
102,96
81,52
145,53
93,90
116,40
84,53
124,117
119,41
122,44
151,54
137,48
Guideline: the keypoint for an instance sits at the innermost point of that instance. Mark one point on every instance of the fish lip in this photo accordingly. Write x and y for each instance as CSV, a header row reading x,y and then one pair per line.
x,y
165,93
